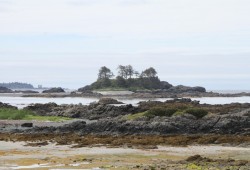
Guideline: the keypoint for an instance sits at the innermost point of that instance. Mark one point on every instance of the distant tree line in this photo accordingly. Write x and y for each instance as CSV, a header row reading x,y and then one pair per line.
x,y
127,78
16,85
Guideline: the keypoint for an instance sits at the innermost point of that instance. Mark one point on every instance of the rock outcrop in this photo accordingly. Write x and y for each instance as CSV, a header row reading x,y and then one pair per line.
x,y
227,124
109,101
93,111
111,120
4,105
166,85
183,89
54,90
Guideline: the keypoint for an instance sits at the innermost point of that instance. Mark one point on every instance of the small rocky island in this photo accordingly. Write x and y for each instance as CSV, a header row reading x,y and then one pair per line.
x,y
143,85
17,85
54,90
129,79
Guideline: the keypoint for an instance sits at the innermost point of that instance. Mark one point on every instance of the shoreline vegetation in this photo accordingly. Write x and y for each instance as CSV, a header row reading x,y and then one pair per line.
x,y
15,114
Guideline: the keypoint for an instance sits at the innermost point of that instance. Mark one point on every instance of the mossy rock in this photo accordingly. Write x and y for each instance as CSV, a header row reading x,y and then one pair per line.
x,y
160,111
197,112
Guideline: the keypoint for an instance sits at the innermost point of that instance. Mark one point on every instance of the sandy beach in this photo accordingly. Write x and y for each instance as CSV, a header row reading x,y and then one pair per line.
x,y
15,155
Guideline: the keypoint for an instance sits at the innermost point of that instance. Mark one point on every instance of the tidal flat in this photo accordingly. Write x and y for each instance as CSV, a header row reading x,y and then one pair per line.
x,y
16,155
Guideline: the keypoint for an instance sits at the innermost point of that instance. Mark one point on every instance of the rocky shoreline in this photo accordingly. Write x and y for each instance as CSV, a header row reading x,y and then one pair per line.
x,y
107,119
105,124
139,95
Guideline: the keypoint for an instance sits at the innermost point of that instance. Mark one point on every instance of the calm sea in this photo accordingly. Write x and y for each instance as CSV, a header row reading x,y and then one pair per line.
x,y
21,102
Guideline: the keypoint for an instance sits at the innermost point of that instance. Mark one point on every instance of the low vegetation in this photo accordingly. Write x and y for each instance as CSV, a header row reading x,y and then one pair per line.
x,y
168,111
14,114
197,112
134,116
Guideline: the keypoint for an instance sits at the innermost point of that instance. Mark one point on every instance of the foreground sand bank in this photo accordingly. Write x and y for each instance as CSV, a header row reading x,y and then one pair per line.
x,y
18,156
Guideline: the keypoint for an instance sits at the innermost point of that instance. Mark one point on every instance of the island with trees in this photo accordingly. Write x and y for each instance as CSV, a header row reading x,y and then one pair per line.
x,y
17,85
129,79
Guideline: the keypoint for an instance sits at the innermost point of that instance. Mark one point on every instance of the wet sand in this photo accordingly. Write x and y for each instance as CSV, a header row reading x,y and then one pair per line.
x,y
15,155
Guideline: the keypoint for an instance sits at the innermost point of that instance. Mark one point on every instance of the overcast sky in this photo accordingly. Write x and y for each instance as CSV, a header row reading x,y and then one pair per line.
x,y
65,42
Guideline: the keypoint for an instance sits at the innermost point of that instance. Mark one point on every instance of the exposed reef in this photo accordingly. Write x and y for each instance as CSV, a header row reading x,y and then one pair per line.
x,y
180,116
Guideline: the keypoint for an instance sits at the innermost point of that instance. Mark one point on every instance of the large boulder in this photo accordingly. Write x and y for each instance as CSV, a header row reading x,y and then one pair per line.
x,y
54,90
165,85
183,89
42,109
85,89
4,105
109,101
93,111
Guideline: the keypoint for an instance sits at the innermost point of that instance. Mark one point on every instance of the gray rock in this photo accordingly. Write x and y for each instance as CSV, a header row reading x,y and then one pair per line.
x,y
27,125
54,90
109,101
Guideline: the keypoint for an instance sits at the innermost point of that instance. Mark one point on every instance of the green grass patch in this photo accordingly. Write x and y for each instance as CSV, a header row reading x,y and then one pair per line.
x,y
168,112
193,166
134,116
14,114
197,112
175,111
179,113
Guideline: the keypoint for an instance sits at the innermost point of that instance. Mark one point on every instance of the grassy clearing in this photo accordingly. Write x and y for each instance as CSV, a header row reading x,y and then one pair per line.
x,y
14,114
111,89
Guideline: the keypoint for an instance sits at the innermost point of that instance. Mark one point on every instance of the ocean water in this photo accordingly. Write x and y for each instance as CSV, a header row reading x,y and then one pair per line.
x,y
230,91
223,100
21,102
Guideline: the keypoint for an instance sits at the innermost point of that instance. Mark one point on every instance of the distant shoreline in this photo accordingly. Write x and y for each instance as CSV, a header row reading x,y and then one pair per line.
x,y
130,94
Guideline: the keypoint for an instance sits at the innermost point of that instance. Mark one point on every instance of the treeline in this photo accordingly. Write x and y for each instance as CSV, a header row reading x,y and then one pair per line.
x,y
16,85
128,78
